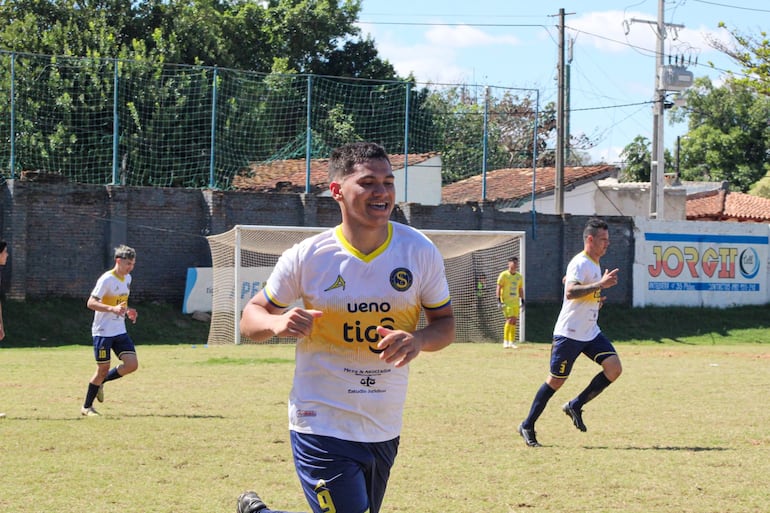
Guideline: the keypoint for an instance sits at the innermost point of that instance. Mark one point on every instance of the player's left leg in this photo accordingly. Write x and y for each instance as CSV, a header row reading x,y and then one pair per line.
x,y
564,351
602,352
124,348
509,333
339,475
102,350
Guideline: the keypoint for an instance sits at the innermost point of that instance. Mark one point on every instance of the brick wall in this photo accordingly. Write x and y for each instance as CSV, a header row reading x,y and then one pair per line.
x,y
61,236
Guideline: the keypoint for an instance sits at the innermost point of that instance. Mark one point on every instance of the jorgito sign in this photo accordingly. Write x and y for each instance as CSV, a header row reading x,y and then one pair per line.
x,y
691,263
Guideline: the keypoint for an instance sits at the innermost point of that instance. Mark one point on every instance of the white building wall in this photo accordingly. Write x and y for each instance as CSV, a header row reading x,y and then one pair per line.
x,y
419,183
610,198
633,199
577,201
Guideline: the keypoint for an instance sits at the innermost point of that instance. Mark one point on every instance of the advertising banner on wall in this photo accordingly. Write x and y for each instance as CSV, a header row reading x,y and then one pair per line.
x,y
692,263
199,289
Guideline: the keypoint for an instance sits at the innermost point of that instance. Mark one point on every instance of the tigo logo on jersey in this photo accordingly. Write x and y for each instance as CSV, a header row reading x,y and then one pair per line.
x,y
401,279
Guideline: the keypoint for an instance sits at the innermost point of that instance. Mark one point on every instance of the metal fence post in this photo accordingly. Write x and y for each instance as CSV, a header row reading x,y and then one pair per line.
x,y
534,164
212,156
484,146
308,133
12,161
406,141
115,138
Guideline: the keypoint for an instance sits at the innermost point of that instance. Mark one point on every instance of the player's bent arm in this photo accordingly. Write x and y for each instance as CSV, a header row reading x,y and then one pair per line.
x,y
439,331
575,290
97,306
262,320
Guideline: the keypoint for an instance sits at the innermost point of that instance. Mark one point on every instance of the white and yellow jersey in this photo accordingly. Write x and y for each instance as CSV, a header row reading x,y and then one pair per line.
x,y
578,317
341,387
111,290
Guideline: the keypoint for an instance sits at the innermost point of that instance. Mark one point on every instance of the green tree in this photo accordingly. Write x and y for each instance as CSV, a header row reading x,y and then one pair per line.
x,y
512,123
310,36
637,160
752,53
728,136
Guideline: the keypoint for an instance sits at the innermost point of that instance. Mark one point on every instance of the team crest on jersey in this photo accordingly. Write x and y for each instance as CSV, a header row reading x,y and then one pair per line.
x,y
401,279
338,283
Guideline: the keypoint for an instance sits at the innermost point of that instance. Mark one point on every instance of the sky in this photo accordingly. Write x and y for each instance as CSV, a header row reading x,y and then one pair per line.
x,y
515,44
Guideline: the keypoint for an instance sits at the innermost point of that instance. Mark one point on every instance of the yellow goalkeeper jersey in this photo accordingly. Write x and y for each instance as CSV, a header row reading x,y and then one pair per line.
x,y
510,284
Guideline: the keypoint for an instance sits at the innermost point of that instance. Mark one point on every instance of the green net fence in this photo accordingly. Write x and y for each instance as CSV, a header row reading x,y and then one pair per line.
x,y
106,121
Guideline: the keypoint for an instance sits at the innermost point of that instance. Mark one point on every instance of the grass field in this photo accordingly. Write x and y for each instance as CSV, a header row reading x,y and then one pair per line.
x,y
685,429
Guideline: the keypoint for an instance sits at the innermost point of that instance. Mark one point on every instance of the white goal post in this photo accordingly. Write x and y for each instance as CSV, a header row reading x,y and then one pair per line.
x,y
243,257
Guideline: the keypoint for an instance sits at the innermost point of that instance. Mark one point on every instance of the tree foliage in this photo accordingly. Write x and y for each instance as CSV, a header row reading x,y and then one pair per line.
x,y
637,160
728,136
751,53
309,36
256,57
459,116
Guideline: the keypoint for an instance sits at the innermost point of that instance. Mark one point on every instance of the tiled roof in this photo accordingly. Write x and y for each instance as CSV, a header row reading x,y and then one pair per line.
x,y
290,175
516,183
722,205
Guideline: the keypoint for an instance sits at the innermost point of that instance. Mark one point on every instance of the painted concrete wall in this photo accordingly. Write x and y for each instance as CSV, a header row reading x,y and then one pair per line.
x,y
699,263
419,183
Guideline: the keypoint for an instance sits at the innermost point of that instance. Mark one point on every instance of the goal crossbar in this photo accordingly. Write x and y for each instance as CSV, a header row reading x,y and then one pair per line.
x,y
243,257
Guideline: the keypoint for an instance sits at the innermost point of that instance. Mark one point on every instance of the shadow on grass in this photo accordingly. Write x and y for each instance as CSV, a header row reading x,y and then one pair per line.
x,y
660,448
108,417
226,360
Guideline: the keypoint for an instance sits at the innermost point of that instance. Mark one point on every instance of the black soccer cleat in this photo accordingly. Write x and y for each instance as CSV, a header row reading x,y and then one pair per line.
x,y
529,436
249,502
576,416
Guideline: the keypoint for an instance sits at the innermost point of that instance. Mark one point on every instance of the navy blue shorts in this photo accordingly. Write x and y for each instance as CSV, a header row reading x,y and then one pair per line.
x,y
339,475
565,351
119,344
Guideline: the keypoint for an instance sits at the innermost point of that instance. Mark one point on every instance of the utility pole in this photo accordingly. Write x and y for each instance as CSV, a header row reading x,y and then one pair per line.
x,y
657,168
567,99
559,178
657,185
561,123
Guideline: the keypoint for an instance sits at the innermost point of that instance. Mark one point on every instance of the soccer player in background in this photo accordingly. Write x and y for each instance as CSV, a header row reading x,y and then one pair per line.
x,y
510,297
109,301
577,331
362,286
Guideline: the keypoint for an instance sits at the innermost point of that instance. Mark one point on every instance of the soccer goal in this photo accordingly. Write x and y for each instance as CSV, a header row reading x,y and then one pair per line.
x,y
243,258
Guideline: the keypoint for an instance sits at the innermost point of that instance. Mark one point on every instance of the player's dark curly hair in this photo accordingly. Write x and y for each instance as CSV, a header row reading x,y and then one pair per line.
x,y
344,158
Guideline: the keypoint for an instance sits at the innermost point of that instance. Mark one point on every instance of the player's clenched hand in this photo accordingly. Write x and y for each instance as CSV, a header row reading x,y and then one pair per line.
x,y
296,322
398,347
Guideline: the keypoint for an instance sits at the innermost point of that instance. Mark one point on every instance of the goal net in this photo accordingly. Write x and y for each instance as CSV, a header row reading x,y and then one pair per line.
x,y
243,258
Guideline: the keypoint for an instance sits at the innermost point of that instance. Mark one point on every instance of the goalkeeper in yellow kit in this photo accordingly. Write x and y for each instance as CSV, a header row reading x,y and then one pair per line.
x,y
510,295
